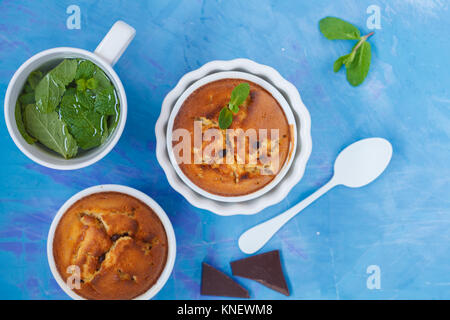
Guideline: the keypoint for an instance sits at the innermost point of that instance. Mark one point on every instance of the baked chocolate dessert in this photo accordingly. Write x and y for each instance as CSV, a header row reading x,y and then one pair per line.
x,y
118,243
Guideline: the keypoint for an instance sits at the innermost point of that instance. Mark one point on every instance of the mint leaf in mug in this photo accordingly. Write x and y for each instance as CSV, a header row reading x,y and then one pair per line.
x,y
102,79
26,98
105,133
81,84
92,84
85,70
48,93
106,101
113,120
65,71
21,125
86,99
87,126
50,89
82,98
51,131
34,78
337,29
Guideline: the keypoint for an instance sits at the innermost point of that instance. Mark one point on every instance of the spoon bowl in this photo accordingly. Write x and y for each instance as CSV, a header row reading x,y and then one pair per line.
x,y
362,162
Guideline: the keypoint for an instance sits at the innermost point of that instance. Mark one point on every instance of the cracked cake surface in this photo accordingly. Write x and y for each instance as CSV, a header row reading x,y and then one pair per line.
x,y
241,175
118,243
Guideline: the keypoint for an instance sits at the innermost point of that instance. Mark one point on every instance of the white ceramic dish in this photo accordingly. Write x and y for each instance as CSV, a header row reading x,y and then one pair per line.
x,y
264,84
105,56
138,195
300,158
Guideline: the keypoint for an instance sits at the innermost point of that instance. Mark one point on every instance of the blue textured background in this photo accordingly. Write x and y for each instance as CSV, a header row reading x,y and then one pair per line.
x,y
400,222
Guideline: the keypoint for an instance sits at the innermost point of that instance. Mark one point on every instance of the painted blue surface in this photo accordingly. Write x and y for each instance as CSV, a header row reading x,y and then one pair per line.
x,y
401,222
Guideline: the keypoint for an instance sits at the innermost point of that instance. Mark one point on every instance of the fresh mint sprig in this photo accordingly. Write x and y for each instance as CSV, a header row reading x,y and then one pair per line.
x,y
238,96
357,62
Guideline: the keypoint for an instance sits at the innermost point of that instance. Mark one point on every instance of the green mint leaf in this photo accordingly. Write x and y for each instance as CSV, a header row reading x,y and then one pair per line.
x,y
21,125
234,108
238,96
102,78
65,71
346,59
358,69
106,101
337,29
28,88
50,88
86,99
350,58
106,132
27,98
48,93
339,63
85,70
51,131
34,78
81,84
92,83
87,126
225,118
113,120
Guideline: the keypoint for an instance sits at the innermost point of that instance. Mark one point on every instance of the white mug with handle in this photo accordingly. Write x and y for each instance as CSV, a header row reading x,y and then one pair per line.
x,y
105,56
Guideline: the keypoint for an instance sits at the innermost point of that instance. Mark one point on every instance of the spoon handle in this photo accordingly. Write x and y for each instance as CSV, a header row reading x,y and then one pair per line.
x,y
255,238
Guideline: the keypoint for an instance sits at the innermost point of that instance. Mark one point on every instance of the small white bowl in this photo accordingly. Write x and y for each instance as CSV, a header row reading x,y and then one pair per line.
x,y
105,56
171,241
282,102
300,158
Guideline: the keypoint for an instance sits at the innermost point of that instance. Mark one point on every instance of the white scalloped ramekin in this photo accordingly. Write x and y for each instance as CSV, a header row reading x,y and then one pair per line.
x,y
171,242
300,158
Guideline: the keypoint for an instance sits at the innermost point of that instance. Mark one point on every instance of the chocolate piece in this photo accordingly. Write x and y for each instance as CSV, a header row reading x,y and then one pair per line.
x,y
264,268
217,283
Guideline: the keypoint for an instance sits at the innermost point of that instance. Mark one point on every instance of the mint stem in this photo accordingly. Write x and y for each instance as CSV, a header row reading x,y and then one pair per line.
x,y
363,39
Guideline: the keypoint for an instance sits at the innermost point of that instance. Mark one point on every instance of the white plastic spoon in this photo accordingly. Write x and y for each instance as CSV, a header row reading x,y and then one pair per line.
x,y
357,165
